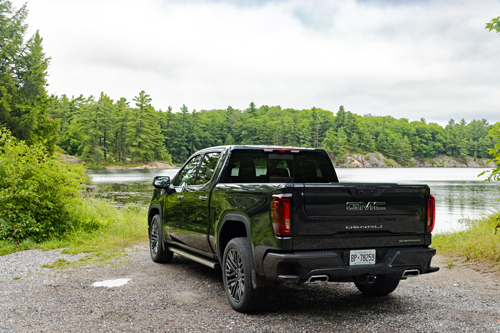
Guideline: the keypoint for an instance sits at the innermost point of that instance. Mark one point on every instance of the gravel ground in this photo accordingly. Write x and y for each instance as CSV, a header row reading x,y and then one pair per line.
x,y
184,296
21,264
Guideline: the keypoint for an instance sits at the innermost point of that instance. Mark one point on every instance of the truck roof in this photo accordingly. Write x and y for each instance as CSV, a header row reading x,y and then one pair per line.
x,y
276,148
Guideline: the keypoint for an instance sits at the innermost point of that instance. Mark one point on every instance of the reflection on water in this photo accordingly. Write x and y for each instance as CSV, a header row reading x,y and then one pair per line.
x,y
127,186
459,192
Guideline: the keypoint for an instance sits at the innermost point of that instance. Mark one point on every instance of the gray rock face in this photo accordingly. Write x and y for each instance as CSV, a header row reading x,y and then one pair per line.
x,y
377,160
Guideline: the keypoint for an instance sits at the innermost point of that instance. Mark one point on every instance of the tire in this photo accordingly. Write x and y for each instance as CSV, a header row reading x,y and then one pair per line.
x,y
382,286
237,276
158,254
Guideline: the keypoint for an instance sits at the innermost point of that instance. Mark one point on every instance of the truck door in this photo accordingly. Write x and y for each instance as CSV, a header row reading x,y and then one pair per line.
x,y
195,204
173,212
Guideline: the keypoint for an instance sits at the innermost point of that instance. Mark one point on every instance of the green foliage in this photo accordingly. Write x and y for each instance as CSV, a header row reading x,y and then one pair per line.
x,y
36,190
494,24
477,242
103,231
113,131
145,139
105,130
144,134
494,174
23,69
336,142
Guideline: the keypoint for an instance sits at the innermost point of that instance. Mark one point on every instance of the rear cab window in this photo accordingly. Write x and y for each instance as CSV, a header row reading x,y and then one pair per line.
x,y
257,166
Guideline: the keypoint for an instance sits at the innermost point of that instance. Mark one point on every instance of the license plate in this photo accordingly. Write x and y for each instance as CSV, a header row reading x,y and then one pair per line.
x,y
362,257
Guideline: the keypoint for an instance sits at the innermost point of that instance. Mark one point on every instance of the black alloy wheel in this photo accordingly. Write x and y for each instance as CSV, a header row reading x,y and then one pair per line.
x,y
237,276
158,253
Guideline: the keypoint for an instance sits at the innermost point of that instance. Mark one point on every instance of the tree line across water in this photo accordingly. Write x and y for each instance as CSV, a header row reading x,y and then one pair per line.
x,y
102,129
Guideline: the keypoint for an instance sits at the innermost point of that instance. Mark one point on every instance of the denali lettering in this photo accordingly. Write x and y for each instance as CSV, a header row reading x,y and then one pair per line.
x,y
353,206
377,226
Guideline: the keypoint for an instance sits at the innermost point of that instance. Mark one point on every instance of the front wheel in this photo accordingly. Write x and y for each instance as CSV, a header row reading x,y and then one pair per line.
x,y
382,286
158,254
237,276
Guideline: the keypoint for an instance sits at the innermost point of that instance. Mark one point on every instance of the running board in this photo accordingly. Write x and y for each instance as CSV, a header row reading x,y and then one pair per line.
x,y
193,257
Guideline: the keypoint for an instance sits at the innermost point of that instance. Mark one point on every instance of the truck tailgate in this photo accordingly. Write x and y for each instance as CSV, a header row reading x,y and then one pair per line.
x,y
359,215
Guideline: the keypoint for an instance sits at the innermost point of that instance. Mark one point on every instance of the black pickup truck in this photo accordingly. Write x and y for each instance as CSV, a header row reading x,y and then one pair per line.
x,y
268,214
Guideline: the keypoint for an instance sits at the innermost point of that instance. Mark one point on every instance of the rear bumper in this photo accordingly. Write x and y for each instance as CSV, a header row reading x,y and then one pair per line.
x,y
300,266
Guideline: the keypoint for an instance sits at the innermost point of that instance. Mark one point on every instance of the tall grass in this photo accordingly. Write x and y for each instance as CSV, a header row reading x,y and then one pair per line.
x,y
98,227
477,242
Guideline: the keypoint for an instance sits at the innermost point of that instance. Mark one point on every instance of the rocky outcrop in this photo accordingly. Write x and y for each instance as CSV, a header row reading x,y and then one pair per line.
x,y
370,160
70,159
377,160
154,165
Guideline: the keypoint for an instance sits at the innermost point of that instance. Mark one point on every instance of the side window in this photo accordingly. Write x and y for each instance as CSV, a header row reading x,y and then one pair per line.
x,y
258,167
242,167
188,174
235,169
207,168
314,168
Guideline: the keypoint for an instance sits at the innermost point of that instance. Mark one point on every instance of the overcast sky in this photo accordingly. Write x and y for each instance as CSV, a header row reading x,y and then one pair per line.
x,y
411,59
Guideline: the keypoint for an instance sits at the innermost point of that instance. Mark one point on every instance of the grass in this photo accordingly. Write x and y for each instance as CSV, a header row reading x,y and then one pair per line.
x,y
477,242
102,231
450,263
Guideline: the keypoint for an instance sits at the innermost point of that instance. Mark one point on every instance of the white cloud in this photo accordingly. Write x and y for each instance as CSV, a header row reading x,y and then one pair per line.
x,y
428,59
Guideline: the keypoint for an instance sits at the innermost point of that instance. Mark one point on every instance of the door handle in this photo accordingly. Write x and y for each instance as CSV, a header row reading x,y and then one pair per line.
x,y
180,197
203,198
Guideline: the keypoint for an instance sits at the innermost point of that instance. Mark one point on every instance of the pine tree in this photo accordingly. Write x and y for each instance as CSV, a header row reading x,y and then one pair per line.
x,y
145,139
107,113
89,119
123,116
24,101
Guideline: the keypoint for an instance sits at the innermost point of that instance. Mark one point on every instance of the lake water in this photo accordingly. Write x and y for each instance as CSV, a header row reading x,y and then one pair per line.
x,y
459,193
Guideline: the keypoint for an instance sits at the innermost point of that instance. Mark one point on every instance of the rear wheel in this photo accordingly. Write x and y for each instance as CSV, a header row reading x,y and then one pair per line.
x,y
237,276
158,254
382,286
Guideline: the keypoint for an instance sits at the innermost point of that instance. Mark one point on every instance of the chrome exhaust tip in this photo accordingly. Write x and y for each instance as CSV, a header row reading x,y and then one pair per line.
x,y
411,273
317,279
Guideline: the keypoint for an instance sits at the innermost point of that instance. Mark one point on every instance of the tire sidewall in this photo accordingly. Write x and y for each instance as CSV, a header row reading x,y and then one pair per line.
x,y
162,255
154,220
241,246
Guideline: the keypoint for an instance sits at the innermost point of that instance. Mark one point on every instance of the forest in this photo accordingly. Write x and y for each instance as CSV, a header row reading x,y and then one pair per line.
x,y
100,129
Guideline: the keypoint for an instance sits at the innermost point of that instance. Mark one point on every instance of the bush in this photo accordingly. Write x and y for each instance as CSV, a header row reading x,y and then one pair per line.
x,y
98,228
36,191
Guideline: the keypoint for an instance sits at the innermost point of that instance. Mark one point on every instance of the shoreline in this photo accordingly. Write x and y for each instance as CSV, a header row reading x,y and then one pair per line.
x,y
143,166
377,160
370,160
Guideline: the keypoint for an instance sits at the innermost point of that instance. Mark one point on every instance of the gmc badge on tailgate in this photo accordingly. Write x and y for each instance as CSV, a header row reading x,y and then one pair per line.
x,y
352,206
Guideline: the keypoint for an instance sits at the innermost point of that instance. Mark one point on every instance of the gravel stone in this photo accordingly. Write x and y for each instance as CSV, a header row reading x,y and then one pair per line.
x,y
184,296
24,263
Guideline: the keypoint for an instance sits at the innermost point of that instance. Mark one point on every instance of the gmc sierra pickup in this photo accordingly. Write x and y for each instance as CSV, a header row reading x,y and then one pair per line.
x,y
268,214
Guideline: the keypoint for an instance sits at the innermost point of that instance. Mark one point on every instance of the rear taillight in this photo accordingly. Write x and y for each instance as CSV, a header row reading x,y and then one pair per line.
x,y
431,213
281,214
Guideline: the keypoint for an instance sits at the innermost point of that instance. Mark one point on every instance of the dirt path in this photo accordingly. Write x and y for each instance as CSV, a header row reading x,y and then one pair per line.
x,y
187,297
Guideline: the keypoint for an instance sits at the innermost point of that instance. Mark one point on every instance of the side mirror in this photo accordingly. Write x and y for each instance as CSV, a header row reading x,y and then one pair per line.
x,y
161,182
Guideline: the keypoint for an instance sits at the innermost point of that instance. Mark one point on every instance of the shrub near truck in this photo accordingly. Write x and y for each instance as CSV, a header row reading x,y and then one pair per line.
x,y
269,214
